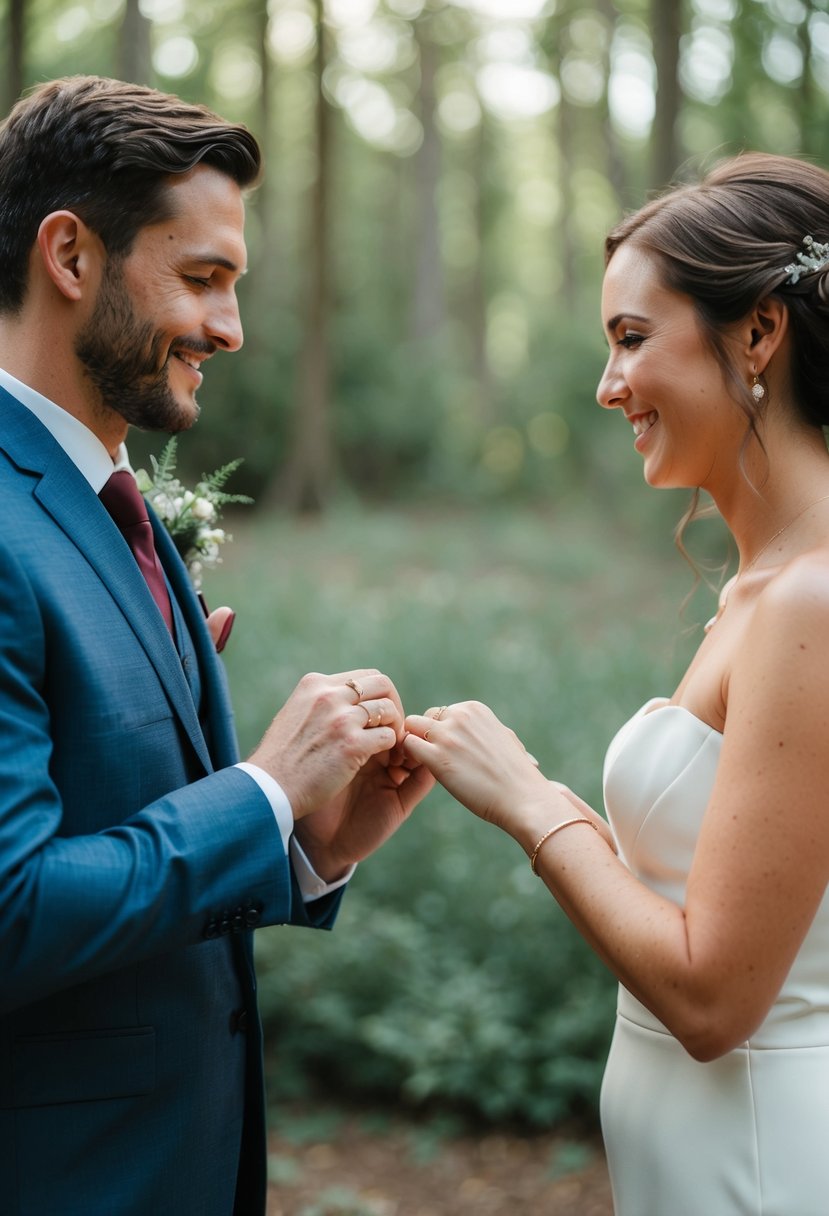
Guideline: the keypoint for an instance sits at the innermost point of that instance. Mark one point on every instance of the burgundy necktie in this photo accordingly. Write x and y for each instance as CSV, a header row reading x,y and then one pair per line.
x,y
122,499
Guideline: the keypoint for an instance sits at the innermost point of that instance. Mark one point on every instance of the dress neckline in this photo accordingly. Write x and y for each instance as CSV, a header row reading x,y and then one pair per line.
x,y
658,704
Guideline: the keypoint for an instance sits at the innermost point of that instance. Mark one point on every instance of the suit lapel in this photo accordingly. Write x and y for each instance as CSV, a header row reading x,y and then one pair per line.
x,y
213,681
66,495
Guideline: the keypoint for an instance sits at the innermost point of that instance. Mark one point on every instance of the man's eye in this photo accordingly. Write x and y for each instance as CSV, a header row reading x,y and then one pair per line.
x,y
192,278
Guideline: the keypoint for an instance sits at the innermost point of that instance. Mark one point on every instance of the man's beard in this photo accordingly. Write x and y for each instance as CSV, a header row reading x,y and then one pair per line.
x,y
123,359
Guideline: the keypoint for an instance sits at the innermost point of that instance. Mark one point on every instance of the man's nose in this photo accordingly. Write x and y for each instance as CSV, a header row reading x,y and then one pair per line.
x,y
225,324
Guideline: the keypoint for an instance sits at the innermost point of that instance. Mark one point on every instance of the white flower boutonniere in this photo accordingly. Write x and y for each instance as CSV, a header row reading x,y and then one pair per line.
x,y
190,516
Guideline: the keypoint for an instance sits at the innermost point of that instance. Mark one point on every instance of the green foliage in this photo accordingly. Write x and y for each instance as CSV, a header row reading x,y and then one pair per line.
x,y
452,980
507,1016
497,403
191,516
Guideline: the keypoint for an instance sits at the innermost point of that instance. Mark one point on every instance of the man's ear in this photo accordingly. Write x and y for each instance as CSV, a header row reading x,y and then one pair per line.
x,y
70,253
764,330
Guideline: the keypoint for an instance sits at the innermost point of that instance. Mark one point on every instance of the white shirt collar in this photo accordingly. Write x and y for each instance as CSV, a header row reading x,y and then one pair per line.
x,y
83,448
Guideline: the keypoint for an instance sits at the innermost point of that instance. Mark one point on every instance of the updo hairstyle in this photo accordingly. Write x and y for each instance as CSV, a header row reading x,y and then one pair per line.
x,y
726,242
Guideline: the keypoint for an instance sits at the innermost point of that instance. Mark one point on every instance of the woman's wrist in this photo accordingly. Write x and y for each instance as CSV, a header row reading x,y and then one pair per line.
x,y
574,821
540,813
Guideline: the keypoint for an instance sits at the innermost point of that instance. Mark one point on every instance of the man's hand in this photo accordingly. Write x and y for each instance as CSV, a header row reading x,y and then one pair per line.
x,y
219,623
328,729
382,795
335,750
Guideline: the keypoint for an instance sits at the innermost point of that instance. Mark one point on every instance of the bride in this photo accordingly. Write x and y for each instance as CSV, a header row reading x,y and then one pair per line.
x,y
706,896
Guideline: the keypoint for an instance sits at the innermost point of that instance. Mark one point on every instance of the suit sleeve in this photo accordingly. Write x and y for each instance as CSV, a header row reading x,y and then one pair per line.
x,y
91,878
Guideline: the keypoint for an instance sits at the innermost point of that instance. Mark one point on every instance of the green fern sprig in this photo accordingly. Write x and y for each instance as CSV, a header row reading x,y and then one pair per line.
x,y
190,516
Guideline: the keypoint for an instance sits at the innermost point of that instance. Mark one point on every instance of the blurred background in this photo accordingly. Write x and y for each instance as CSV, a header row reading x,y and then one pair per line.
x,y
422,316
436,491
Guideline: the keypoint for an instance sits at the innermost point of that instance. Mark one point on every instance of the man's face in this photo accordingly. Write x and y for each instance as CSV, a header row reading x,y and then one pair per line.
x,y
167,306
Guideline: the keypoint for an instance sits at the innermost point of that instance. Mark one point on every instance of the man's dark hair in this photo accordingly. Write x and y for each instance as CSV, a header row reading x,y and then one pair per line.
x,y
104,150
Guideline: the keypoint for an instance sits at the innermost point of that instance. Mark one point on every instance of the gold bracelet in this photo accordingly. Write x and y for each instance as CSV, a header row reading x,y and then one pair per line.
x,y
552,832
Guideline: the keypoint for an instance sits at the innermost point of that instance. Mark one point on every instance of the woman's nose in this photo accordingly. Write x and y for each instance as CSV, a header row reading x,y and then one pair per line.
x,y
612,391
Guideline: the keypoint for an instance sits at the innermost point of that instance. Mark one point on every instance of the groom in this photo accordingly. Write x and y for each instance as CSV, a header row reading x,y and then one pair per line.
x,y
136,854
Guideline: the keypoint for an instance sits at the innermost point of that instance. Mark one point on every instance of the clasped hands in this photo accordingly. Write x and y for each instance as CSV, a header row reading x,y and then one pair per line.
x,y
336,749
354,767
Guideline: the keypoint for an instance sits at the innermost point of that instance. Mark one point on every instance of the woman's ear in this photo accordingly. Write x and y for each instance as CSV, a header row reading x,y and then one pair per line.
x,y
69,252
764,331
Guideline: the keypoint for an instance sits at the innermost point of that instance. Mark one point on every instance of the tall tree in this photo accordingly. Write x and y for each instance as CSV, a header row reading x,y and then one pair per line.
x,y
810,113
15,53
617,170
479,288
428,297
307,484
556,40
666,32
134,51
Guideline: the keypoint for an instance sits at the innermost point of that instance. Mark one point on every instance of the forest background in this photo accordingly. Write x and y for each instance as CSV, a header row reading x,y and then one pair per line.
x,y
436,491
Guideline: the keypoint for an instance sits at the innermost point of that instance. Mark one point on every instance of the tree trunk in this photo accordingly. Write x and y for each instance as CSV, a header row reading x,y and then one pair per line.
x,y
811,133
666,30
134,53
307,484
557,41
428,298
617,173
478,287
15,54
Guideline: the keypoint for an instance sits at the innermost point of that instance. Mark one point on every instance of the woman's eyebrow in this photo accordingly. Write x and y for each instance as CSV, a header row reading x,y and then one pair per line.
x,y
625,316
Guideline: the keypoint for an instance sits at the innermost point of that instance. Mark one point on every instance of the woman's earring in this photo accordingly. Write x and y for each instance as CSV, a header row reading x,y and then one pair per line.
x,y
758,391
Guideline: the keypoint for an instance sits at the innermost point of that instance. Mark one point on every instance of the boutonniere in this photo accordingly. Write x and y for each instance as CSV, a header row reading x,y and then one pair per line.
x,y
190,516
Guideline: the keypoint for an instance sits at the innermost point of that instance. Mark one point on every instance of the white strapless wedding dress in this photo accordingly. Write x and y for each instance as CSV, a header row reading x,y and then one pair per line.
x,y
745,1135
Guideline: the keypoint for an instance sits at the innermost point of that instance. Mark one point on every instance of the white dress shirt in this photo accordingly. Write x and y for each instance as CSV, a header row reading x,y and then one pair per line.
x,y
93,460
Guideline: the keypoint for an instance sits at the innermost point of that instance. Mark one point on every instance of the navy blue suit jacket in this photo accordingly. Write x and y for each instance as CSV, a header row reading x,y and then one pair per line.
x,y
134,860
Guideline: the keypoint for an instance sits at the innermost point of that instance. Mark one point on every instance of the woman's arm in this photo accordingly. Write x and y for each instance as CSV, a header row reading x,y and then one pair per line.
x,y
710,971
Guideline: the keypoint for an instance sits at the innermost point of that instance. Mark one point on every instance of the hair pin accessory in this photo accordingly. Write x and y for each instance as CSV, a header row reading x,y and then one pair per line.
x,y
814,258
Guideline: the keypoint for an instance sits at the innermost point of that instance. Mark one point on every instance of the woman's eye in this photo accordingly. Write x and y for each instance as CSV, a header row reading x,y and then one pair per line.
x,y
629,341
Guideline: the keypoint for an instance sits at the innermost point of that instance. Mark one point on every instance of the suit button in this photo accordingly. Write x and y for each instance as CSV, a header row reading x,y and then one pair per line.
x,y
253,916
238,1021
211,930
238,920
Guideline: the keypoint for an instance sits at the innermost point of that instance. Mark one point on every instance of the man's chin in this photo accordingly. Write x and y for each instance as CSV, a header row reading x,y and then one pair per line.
x,y
184,419
171,422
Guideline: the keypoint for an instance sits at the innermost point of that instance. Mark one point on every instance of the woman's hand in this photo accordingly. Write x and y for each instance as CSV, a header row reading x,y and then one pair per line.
x,y
482,763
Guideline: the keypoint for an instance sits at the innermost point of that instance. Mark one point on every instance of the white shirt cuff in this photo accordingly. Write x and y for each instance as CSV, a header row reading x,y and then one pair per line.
x,y
310,883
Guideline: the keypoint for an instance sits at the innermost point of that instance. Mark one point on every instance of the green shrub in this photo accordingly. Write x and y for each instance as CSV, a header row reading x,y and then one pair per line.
x,y
452,978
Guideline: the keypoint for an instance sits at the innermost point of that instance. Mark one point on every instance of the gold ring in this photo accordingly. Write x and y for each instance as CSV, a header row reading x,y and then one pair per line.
x,y
426,734
356,687
367,712
441,712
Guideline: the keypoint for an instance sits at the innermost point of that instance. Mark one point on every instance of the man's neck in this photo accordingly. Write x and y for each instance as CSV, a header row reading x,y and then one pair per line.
x,y
63,382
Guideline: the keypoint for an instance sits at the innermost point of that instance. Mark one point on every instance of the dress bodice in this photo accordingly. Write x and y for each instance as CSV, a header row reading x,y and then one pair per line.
x,y
658,777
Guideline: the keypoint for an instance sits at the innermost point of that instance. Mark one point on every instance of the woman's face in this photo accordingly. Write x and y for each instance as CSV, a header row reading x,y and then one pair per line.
x,y
663,375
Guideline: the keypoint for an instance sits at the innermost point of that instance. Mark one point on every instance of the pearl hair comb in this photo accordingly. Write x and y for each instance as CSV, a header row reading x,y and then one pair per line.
x,y
815,257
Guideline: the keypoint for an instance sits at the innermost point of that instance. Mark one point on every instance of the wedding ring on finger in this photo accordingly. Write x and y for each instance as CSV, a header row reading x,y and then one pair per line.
x,y
356,688
374,718
441,712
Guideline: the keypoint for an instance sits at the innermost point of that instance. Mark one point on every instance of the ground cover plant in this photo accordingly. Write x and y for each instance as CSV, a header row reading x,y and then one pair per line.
x,y
452,980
